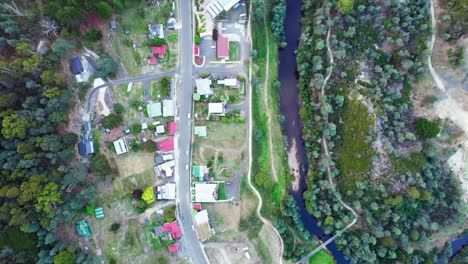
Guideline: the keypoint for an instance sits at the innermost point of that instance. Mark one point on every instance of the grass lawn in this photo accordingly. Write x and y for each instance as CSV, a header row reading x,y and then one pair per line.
x,y
234,51
321,257
129,100
233,95
222,139
172,38
159,89
221,191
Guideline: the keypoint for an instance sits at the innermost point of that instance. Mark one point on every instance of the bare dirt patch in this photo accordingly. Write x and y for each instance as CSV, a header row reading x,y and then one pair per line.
x,y
134,163
230,253
225,216
270,240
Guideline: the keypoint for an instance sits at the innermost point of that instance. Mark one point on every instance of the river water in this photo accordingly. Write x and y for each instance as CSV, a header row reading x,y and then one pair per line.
x,y
292,127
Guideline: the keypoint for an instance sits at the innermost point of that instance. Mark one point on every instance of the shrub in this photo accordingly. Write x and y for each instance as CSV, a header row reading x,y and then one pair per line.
x,y
93,35
100,166
136,129
111,121
148,195
426,129
197,39
118,108
115,227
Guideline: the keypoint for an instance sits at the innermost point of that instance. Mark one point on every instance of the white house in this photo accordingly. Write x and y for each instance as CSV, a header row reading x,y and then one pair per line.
x,y
203,86
206,192
120,146
215,109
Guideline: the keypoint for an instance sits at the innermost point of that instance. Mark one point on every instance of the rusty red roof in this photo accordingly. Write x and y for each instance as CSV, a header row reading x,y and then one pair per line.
x,y
171,128
166,145
160,50
222,47
152,60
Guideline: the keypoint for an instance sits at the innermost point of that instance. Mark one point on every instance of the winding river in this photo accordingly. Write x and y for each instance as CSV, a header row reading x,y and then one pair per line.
x,y
292,127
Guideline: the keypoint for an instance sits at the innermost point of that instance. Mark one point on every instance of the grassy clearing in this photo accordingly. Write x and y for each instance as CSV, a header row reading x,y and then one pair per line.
x,y
221,191
129,100
159,89
222,150
353,151
234,50
172,38
321,258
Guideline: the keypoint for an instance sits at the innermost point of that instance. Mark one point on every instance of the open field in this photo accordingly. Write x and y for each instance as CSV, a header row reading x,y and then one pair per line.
x,y
224,146
321,258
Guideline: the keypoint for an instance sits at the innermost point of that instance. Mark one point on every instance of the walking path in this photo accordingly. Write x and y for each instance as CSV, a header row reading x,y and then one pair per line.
x,y
327,154
249,174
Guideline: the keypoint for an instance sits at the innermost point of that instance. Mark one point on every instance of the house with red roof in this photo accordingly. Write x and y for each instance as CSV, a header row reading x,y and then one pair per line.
x,y
222,47
152,60
158,50
197,206
166,145
173,248
171,128
173,229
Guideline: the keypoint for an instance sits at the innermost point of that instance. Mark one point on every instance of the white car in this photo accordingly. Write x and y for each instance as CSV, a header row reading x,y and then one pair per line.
x,y
186,166
193,228
189,115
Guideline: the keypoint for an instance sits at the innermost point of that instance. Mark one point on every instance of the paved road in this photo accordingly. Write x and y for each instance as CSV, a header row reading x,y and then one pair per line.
x,y
127,80
189,243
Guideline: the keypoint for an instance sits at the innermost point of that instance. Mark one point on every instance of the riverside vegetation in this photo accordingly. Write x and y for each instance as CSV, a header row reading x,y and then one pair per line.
x,y
385,162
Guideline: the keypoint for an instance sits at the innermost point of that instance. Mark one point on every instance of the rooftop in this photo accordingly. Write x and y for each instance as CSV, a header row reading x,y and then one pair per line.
x,y
159,50
166,191
75,65
232,82
168,108
152,60
166,145
171,128
154,109
172,228
200,131
82,228
206,192
222,47
215,108
173,248
120,146
203,86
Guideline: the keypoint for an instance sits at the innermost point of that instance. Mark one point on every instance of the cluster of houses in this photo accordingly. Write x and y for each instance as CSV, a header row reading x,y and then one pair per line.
x,y
204,88
169,232
157,31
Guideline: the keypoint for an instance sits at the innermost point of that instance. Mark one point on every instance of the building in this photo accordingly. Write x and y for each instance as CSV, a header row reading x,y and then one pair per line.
x,y
203,226
113,25
167,157
156,31
167,168
99,213
197,207
82,228
203,86
222,47
85,146
173,229
154,109
168,108
171,23
152,60
173,248
200,172
206,192
86,127
158,50
171,128
160,129
200,131
166,191
120,146
214,8
196,50
215,109
166,145
232,83
76,66
158,159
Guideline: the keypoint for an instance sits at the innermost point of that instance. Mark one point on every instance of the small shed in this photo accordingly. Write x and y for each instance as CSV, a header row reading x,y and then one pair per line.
x,y
113,24
98,212
171,22
82,228
200,131
75,65
154,109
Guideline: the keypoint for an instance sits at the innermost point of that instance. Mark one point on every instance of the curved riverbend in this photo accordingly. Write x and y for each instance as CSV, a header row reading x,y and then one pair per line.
x,y
292,127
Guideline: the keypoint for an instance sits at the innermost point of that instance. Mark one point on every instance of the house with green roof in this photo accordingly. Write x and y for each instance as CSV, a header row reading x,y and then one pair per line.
x,y
154,109
82,228
200,171
99,213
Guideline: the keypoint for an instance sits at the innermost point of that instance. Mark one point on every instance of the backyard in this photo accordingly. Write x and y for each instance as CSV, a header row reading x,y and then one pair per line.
x,y
234,51
222,150
132,30
130,100
159,89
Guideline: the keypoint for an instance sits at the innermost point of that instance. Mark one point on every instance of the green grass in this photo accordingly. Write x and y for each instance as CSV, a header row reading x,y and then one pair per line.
x,y
234,51
158,91
172,38
321,257
131,114
221,191
352,151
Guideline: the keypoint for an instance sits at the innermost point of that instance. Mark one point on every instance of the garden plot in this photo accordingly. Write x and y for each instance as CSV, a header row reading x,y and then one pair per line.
x,y
130,100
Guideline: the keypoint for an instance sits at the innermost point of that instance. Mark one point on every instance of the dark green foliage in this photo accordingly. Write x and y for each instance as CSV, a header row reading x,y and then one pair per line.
x,y
118,108
88,210
65,256
429,100
258,10
115,227
453,21
136,129
104,10
111,121
100,166
277,22
456,57
426,129
93,35
106,67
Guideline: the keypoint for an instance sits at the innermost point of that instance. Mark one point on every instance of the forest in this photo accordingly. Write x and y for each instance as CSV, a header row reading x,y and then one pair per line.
x,y
42,185
385,162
